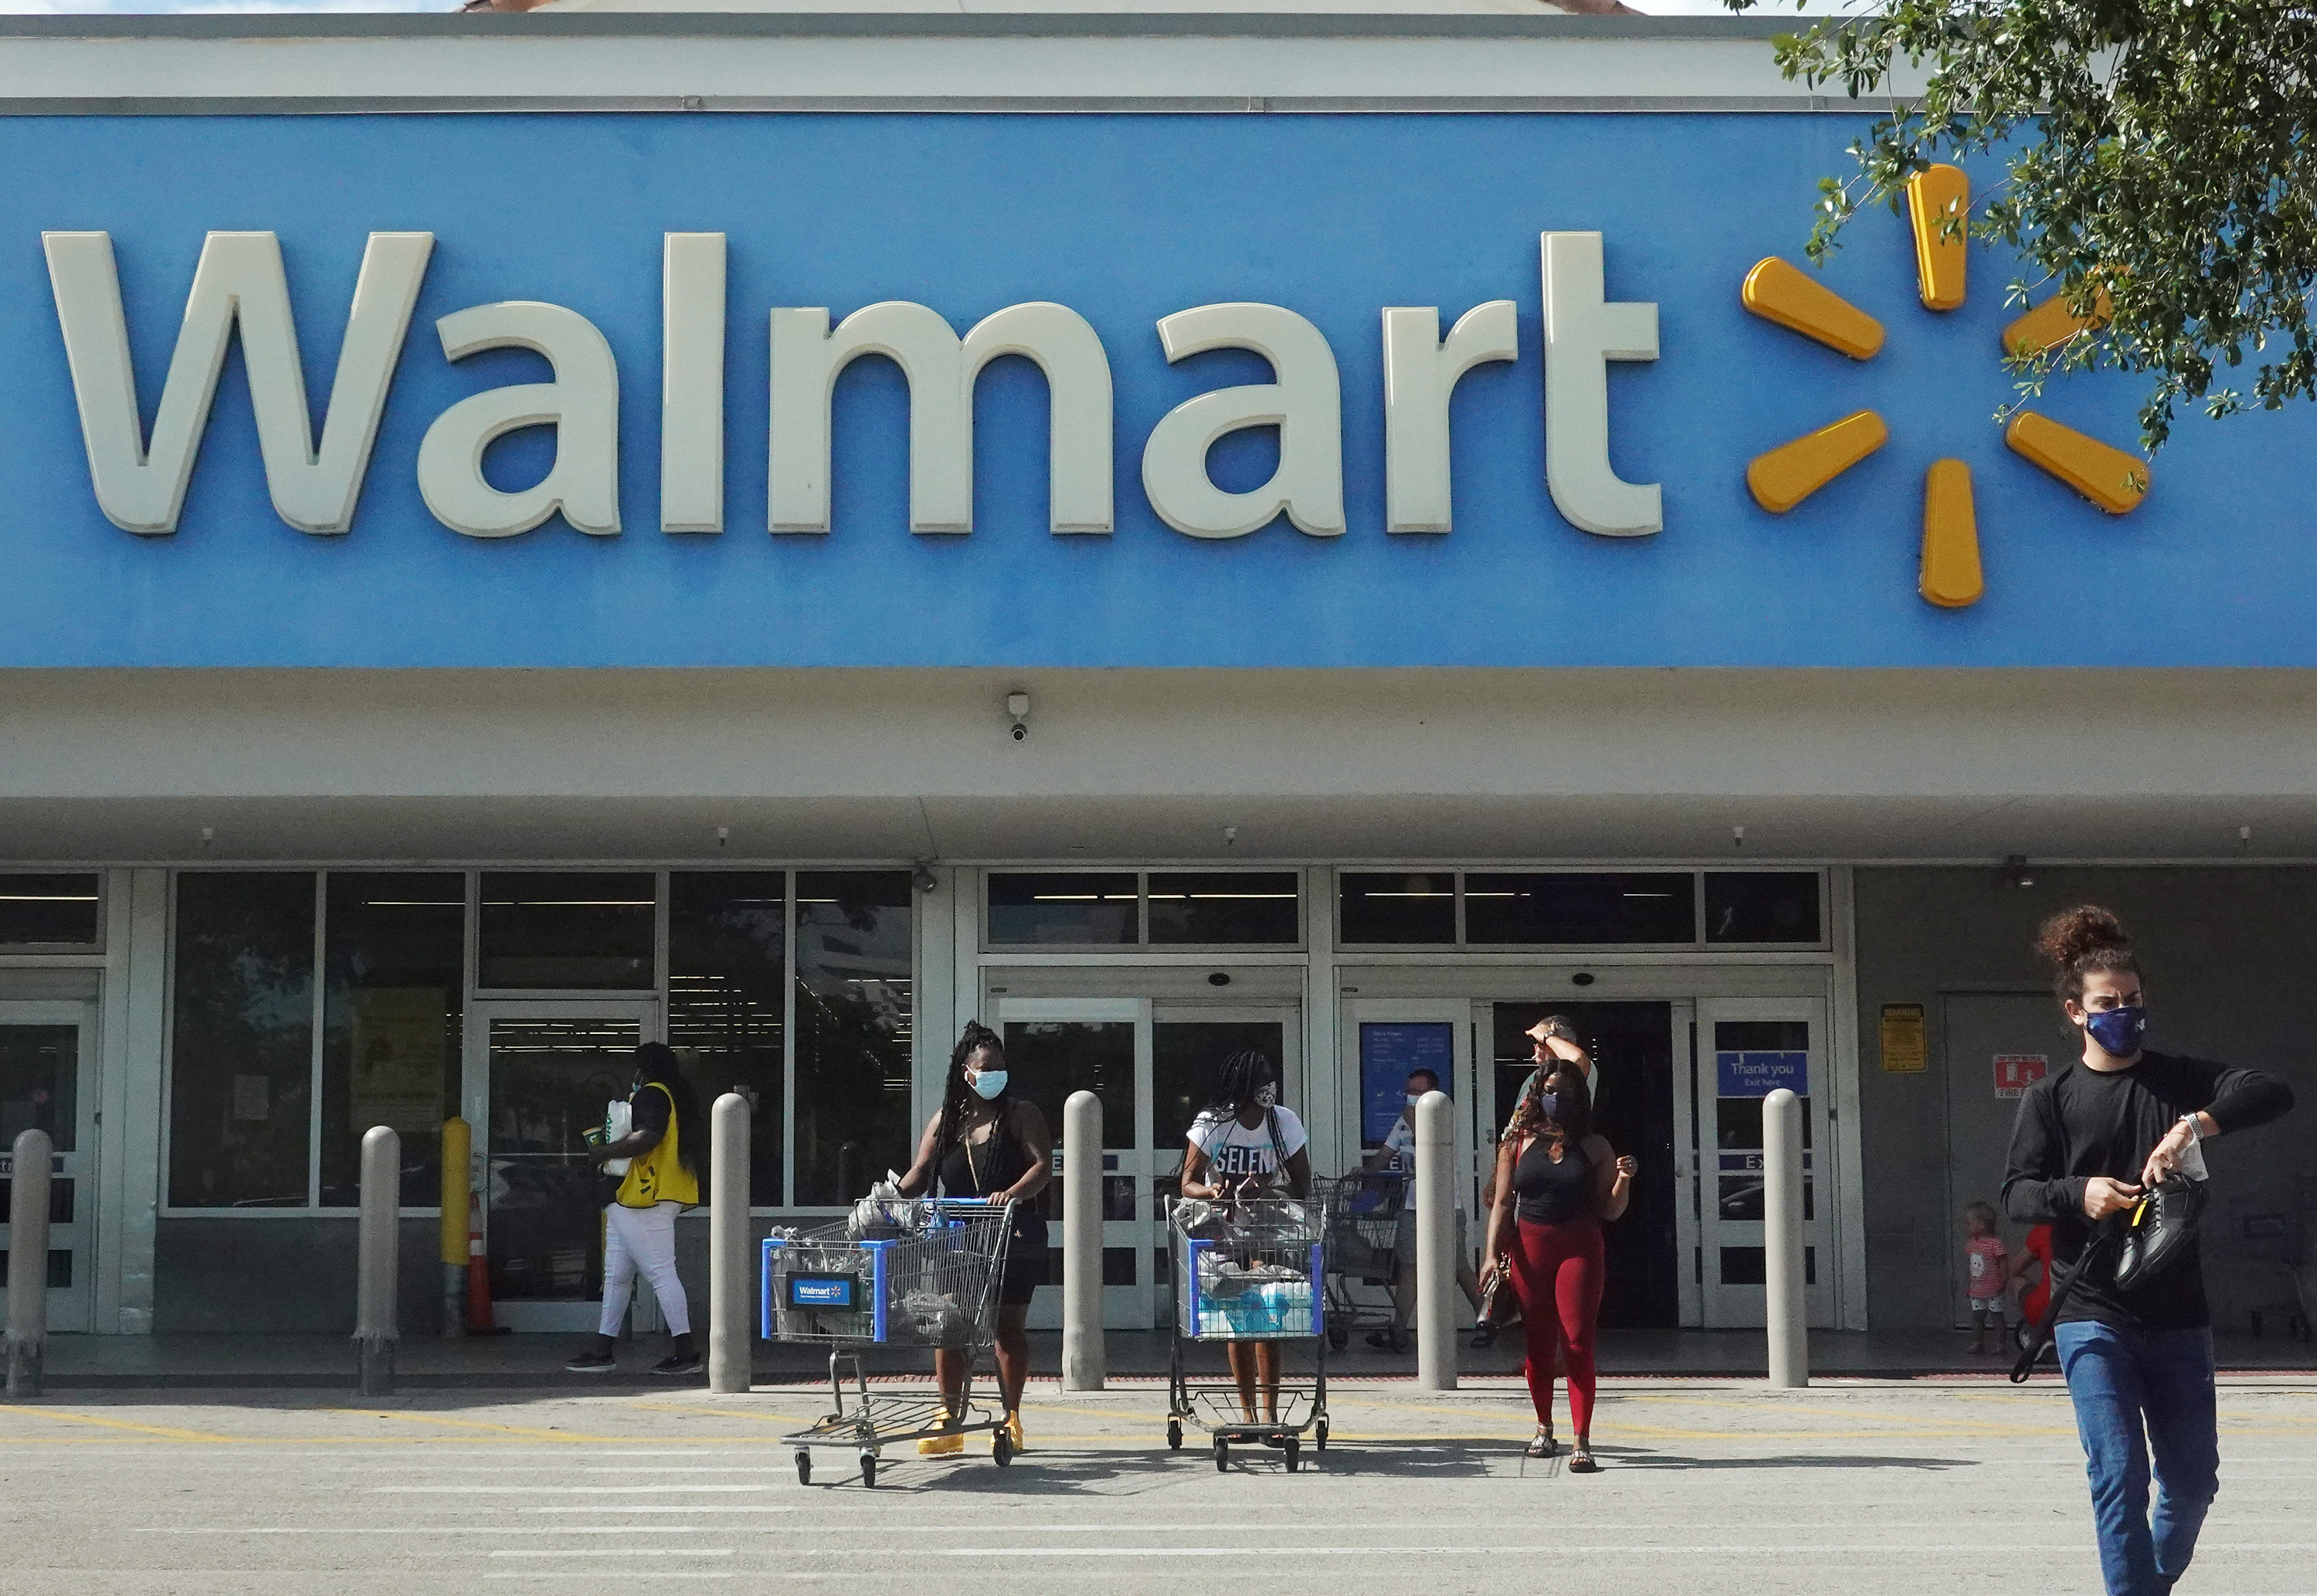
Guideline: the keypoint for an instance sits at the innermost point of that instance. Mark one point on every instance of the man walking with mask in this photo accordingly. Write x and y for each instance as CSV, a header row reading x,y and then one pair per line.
x,y
2135,1335
1399,1153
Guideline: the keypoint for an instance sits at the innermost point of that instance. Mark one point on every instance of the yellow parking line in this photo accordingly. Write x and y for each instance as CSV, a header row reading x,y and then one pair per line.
x,y
164,1432
365,1413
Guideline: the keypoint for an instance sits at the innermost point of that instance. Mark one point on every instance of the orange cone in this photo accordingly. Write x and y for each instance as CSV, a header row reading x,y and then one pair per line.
x,y
482,1320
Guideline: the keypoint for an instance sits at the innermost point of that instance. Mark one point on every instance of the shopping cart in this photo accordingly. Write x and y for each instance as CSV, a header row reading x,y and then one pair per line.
x,y
1253,1271
922,1274
1364,1210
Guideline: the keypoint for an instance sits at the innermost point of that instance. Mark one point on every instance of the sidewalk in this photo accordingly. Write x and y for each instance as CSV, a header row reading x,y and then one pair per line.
x,y
535,1362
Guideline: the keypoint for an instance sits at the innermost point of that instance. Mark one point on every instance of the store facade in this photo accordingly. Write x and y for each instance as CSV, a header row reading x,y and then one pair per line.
x,y
1157,534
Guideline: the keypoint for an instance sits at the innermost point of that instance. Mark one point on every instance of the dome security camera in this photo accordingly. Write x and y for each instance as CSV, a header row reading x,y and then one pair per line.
x,y
1018,706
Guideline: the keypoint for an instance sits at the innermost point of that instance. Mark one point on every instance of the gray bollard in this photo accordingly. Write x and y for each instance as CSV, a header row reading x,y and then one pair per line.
x,y
1436,1244
28,1261
1788,1316
1084,1355
378,1257
731,1347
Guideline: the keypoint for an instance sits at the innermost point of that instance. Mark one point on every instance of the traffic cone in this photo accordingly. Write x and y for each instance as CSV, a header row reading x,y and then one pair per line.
x,y
480,1318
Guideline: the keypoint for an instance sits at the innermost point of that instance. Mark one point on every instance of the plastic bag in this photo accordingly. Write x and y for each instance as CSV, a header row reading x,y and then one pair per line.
x,y
936,1320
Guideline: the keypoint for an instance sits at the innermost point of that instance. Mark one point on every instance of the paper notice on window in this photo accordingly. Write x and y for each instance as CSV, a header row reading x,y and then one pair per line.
x,y
400,1048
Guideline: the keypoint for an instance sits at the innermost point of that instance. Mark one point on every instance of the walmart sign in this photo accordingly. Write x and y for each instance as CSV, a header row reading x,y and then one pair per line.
x,y
934,390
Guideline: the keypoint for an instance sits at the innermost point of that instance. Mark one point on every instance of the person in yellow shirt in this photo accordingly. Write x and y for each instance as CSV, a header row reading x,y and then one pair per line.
x,y
663,1180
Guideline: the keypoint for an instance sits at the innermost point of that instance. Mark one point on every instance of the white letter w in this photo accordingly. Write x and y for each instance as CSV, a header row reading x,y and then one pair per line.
x,y
239,281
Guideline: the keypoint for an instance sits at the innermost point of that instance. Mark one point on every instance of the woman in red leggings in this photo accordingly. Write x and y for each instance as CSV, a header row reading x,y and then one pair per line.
x,y
1564,1181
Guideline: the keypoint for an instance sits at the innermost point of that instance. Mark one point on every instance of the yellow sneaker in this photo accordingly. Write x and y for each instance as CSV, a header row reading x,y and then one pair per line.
x,y
936,1446
1013,1433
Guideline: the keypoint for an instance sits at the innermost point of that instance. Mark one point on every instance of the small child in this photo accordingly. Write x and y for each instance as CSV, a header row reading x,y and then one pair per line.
x,y
1985,1278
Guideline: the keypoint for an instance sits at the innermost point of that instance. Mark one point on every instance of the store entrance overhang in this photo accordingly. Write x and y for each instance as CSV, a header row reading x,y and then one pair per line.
x,y
904,765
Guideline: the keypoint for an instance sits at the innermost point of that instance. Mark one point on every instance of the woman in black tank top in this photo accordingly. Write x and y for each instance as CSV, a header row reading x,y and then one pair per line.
x,y
987,1142
1558,1180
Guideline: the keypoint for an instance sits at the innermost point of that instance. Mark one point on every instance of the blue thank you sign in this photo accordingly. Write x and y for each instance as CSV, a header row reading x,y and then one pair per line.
x,y
1758,1074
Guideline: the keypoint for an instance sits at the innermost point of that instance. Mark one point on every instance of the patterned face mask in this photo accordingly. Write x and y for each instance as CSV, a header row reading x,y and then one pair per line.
x,y
1268,1095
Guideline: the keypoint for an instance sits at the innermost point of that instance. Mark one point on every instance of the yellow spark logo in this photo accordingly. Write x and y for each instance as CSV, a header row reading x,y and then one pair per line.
x,y
1787,475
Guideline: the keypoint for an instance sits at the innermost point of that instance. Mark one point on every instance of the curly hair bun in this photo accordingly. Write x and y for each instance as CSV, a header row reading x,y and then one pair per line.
x,y
2073,934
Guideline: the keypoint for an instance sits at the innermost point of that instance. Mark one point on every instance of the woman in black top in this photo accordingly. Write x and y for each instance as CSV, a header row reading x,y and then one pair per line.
x,y
987,1142
2090,1138
1563,1180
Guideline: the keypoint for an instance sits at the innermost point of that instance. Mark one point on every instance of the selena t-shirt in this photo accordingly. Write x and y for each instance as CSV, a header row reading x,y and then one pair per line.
x,y
1238,1152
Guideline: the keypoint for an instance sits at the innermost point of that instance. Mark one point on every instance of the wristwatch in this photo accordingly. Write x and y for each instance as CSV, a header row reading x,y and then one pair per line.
x,y
2195,1131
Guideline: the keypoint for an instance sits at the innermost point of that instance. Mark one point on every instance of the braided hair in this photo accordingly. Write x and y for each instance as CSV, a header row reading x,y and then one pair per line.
x,y
959,1096
1244,1074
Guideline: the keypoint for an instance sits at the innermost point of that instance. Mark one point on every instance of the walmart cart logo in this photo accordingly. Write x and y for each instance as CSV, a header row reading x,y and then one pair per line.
x,y
1784,477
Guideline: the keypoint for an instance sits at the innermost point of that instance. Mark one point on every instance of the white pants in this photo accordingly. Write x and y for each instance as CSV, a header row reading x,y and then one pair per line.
x,y
642,1241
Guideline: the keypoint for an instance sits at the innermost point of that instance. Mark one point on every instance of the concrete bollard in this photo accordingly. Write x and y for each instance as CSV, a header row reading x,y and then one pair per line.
x,y
732,1349
1788,1316
457,1147
1083,1353
377,1260
1436,1243
28,1261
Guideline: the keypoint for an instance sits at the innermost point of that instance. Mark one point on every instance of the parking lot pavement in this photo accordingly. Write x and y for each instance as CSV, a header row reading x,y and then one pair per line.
x,y
1857,1488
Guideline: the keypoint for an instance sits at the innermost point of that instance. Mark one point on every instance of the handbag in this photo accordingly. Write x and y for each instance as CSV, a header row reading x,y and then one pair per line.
x,y
1500,1303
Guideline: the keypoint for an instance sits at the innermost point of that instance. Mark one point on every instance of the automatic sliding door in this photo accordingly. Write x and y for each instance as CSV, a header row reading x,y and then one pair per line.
x,y
1747,1049
43,1087
539,1076
1055,1046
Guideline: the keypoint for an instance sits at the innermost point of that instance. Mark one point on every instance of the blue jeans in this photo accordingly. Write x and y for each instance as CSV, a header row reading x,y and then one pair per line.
x,y
2123,1381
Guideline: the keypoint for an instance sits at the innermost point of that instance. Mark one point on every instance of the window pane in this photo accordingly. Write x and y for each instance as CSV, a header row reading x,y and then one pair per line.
x,y
393,974
855,1030
1049,910
725,966
40,1084
590,930
48,910
1588,908
1186,1057
241,1055
1225,910
1397,908
1761,906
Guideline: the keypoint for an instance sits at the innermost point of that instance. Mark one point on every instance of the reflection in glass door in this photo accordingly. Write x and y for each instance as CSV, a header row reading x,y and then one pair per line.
x,y
1055,1046
1746,1049
1153,1066
42,1087
539,1076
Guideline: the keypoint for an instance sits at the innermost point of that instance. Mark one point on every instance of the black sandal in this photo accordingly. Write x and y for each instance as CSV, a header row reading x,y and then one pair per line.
x,y
1581,1460
1543,1445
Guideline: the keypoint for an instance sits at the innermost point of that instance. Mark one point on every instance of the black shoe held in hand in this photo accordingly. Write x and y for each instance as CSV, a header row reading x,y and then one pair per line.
x,y
2159,1230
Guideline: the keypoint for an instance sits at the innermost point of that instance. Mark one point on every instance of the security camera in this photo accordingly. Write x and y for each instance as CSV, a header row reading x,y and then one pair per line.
x,y
1017,705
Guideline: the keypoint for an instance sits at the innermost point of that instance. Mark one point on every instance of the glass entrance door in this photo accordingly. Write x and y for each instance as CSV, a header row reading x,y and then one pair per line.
x,y
1747,1049
539,1076
47,1083
1055,1046
1153,1064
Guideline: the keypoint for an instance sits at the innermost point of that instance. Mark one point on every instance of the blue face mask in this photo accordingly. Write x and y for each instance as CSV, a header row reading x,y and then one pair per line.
x,y
1548,1103
2118,1030
989,1083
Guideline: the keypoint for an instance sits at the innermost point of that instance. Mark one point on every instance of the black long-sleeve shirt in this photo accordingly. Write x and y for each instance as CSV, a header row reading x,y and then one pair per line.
x,y
2076,1123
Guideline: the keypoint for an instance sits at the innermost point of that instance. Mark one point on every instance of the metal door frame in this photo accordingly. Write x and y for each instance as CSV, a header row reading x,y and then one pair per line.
x,y
1124,1308
72,1309
475,1102
1732,1307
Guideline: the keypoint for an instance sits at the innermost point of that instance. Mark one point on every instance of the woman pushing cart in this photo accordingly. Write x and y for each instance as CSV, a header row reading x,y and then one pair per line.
x,y
1247,1251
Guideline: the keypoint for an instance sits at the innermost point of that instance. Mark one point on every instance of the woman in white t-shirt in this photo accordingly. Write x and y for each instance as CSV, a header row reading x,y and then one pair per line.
x,y
1244,1144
